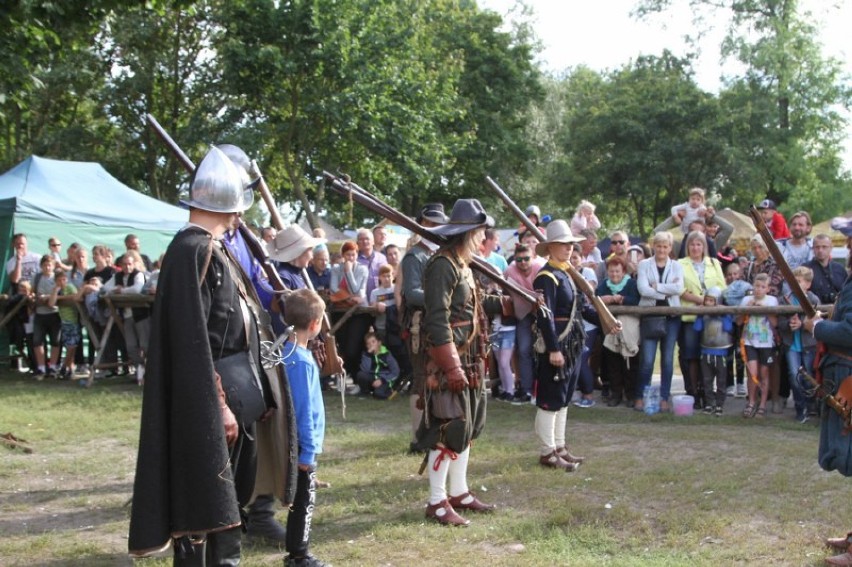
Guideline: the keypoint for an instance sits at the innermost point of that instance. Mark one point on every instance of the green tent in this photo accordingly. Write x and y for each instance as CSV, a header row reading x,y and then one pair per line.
x,y
79,202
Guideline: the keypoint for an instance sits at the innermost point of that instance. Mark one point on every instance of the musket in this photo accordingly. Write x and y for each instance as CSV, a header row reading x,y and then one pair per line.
x,y
331,361
776,254
608,321
367,200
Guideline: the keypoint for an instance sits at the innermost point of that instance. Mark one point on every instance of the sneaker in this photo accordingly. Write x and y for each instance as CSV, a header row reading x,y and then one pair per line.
x,y
522,398
741,391
82,370
50,373
506,397
585,403
38,374
729,391
708,409
64,373
802,417
353,390
719,412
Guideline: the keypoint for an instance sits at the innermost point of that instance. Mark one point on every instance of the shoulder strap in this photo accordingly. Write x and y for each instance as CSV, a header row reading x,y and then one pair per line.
x,y
206,266
567,329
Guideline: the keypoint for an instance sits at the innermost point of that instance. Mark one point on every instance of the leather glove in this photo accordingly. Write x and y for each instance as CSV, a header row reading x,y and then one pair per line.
x,y
447,358
232,428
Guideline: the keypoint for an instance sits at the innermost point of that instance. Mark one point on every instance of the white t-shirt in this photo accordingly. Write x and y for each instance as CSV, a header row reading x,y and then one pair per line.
x,y
382,295
757,332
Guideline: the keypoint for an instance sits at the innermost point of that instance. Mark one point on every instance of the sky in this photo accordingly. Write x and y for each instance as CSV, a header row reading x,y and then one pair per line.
x,y
602,35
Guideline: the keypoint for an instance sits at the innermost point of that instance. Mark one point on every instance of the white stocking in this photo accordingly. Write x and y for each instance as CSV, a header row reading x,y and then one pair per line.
x,y
458,474
437,478
559,427
545,422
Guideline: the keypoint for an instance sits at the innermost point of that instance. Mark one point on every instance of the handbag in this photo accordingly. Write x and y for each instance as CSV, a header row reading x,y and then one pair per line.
x,y
652,327
241,384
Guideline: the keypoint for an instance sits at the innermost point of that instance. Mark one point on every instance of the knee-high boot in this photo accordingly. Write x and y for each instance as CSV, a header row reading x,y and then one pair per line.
x,y
224,548
189,552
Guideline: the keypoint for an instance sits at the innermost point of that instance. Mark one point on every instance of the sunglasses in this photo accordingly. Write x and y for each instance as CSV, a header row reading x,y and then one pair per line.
x,y
522,258
618,242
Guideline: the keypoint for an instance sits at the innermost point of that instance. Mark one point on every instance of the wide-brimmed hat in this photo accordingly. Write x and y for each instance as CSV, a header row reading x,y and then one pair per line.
x,y
557,231
433,212
843,225
768,204
466,215
291,243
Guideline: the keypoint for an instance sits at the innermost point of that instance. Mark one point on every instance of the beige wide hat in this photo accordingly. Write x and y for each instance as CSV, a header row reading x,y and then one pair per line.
x,y
291,243
557,231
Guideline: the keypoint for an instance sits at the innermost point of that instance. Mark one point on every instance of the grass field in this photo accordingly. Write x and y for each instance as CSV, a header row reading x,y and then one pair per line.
x,y
659,490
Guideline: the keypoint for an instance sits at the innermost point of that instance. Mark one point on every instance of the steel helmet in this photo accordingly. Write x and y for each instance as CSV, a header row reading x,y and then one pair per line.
x,y
218,186
242,161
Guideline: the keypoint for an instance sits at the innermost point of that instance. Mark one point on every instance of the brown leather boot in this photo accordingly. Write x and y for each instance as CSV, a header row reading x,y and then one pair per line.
x,y
554,461
566,454
444,514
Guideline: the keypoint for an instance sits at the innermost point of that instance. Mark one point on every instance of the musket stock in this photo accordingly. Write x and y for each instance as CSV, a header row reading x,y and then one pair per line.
x,y
608,321
369,201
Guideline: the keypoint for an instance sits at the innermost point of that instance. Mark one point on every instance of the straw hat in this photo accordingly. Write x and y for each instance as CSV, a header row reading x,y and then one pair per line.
x,y
466,215
557,231
291,243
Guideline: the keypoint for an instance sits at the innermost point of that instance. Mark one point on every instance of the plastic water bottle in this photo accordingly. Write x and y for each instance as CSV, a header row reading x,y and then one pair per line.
x,y
651,399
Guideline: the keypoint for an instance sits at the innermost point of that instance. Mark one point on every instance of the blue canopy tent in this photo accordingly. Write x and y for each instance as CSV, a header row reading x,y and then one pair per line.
x,y
79,202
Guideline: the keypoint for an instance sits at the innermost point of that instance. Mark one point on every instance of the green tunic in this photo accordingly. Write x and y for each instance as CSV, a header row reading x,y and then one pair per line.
x,y
453,306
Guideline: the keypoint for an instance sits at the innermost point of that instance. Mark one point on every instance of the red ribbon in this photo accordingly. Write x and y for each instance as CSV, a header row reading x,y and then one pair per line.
x,y
444,452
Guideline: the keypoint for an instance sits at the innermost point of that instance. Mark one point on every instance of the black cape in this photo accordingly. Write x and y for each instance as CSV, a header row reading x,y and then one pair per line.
x,y
184,484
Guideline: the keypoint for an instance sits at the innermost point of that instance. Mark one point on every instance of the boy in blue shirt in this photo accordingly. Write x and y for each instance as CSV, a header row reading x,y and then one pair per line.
x,y
304,309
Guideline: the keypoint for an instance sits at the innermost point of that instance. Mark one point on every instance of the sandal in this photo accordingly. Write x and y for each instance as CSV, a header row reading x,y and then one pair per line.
x,y
761,413
749,410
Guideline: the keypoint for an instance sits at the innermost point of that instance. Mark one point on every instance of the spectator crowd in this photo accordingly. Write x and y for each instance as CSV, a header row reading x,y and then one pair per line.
x,y
375,310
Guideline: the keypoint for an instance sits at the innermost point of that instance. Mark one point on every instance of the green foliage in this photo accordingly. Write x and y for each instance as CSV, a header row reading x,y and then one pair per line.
x,y
636,140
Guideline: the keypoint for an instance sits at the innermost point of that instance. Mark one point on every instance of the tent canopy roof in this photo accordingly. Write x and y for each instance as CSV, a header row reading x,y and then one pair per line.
x,y
82,192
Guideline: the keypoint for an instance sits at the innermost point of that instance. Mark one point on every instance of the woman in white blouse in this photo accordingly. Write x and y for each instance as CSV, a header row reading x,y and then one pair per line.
x,y
660,283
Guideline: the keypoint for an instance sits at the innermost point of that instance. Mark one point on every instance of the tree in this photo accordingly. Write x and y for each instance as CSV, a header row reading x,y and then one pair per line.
x,y
354,86
787,130
161,63
638,139
49,75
